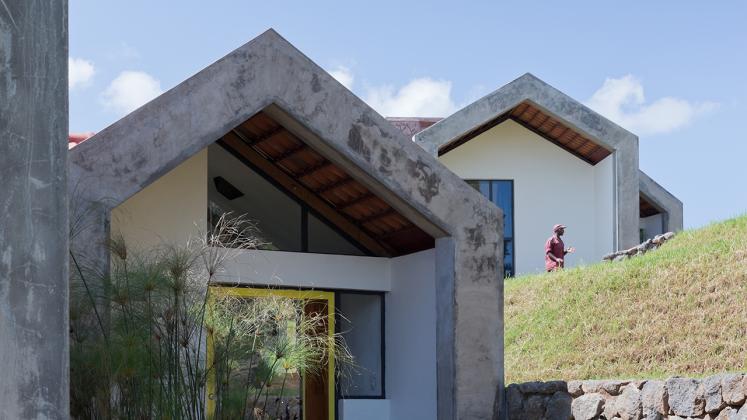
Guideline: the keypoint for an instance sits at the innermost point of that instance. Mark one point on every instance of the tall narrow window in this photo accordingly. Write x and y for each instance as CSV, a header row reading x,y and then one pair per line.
x,y
362,326
501,193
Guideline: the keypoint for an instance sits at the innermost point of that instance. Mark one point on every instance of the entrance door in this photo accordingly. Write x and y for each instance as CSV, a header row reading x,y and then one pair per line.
x,y
281,390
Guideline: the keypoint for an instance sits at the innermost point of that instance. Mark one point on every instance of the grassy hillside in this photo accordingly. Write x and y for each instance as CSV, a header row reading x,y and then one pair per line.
x,y
681,309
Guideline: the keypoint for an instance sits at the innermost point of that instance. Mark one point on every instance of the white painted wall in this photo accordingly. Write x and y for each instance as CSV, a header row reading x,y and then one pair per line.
x,y
364,410
295,269
411,337
170,210
652,226
550,186
604,190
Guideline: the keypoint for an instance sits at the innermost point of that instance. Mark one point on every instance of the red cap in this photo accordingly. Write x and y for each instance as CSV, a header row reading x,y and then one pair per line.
x,y
557,228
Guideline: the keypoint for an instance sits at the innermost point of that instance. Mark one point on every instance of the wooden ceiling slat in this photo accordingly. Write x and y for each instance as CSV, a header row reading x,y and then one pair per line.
x,y
309,176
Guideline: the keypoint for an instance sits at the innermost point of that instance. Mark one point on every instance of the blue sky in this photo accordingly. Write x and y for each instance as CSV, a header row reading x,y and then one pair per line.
x,y
674,72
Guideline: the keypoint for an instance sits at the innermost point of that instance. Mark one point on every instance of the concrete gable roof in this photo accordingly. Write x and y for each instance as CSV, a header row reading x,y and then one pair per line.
x,y
526,88
665,201
268,74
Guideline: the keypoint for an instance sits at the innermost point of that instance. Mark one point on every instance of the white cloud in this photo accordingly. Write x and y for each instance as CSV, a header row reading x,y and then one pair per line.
x,y
343,75
423,97
622,100
130,90
80,72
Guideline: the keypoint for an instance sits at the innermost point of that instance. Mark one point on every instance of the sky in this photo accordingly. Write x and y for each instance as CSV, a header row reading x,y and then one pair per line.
x,y
672,72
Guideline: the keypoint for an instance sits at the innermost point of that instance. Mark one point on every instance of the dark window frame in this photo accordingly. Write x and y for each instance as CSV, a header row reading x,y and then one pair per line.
x,y
382,299
513,214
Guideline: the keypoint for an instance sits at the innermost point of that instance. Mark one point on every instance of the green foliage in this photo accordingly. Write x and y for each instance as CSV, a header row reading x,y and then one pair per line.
x,y
677,310
139,337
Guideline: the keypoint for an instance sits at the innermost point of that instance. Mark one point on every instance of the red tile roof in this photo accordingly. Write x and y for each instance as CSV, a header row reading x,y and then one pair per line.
x,y
412,125
74,139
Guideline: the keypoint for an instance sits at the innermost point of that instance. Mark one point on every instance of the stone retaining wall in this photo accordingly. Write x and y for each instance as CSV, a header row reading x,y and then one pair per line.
x,y
716,397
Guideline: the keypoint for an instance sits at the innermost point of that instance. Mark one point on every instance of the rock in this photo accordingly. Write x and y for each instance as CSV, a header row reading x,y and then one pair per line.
x,y
620,257
609,257
574,388
669,235
629,403
712,393
514,400
685,397
559,406
729,413
658,240
543,387
591,386
613,387
732,389
534,407
587,407
654,403
609,410
742,413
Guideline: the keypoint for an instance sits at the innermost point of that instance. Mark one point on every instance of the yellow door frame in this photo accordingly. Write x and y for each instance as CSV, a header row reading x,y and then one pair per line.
x,y
249,292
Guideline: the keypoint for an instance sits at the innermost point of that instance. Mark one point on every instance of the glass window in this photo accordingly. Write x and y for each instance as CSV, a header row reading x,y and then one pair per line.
x,y
326,240
283,223
361,325
501,193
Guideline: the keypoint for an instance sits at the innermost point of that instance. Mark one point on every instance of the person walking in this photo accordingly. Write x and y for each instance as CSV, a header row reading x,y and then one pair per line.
x,y
555,250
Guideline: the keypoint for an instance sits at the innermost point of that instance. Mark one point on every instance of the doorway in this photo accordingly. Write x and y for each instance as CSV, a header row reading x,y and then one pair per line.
x,y
281,387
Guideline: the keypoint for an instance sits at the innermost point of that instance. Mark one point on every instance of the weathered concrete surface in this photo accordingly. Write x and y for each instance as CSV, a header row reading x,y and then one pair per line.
x,y
668,204
33,204
529,88
270,74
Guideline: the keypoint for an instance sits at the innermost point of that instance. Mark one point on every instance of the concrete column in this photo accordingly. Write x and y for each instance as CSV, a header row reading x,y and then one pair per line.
x,y
33,210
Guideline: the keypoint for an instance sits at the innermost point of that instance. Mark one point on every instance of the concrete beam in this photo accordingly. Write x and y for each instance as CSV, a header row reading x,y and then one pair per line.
x,y
268,74
33,203
670,206
621,142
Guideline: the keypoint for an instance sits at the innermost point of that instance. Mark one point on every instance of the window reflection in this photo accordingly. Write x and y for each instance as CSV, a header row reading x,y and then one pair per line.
x,y
501,193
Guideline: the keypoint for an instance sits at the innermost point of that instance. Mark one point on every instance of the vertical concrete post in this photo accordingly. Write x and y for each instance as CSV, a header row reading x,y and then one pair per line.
x,y
33,210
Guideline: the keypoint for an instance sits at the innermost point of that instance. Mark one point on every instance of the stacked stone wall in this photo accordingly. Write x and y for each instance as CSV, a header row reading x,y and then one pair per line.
x,y
719,397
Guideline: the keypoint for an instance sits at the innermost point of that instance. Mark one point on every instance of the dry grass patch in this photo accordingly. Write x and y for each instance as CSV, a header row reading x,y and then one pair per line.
x,y
681,309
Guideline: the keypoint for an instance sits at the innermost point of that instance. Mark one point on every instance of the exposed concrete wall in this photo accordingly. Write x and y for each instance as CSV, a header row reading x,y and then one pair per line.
x,y
668,204
550,186
571,112
129,155
172,210
33,203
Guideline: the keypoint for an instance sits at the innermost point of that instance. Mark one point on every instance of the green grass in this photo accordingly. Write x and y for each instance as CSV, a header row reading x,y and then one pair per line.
x,y
679,310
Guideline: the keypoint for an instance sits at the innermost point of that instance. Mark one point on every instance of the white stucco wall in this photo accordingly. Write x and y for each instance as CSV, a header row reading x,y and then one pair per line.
x,y
170,210
550,186
411,337
604,190
652,226
305,270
